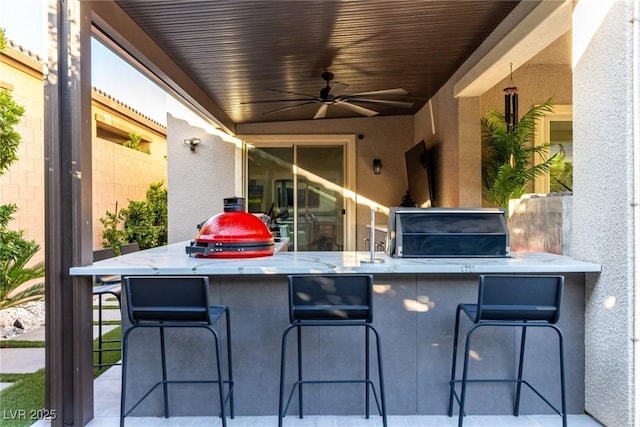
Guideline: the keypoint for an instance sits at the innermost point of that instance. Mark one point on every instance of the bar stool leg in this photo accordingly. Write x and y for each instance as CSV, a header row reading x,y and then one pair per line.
x,y
453,364
229,363
220,378
383,401
562,379
281,406
299,330
123,386
367,376
99,330
465,374
283,353
516,409
163,357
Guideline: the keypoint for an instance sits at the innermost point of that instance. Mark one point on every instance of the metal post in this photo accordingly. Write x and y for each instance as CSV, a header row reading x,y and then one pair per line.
x,y
68,226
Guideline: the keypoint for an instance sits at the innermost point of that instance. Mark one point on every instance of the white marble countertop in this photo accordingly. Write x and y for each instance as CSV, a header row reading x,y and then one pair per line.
x,y
172,259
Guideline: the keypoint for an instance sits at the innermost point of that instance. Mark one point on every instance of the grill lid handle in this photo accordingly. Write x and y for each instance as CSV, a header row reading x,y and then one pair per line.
x,y
234,204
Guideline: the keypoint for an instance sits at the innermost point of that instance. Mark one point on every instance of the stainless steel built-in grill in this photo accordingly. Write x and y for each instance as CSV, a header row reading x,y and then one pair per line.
x,y
447,232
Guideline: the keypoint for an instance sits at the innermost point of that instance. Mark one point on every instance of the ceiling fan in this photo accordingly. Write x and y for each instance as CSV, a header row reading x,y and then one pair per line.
x,y
333,95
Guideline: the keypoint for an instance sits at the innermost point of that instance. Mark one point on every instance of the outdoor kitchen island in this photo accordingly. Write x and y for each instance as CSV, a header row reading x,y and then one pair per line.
x,y
415,301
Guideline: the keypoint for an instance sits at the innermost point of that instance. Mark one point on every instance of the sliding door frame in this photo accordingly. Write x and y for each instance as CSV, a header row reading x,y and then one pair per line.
x,y
349,189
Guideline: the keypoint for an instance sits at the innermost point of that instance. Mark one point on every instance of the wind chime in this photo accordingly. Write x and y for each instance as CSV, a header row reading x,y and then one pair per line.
x,y
511,105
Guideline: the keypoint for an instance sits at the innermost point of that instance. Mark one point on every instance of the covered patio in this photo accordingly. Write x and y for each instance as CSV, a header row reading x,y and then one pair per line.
x,y
605,99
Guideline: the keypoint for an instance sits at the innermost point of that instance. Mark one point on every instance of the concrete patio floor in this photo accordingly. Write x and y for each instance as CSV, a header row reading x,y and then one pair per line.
x,y
107,407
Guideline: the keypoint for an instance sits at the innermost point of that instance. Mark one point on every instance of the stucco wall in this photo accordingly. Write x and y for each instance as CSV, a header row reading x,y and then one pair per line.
x,y
437,124
602,183
536,83
384,138
198,180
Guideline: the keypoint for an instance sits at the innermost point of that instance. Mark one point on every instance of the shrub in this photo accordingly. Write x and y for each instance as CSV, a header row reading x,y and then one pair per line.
x,y
112,235
135,143
144,222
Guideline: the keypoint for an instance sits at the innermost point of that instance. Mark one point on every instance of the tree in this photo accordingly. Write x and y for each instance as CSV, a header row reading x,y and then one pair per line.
x,y
15,250
10,115
508,167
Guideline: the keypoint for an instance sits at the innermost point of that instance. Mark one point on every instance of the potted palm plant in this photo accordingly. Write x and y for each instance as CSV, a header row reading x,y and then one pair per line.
x,y
508,156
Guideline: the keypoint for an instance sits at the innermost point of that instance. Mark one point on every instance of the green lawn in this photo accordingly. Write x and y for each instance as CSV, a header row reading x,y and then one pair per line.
x,y
22,404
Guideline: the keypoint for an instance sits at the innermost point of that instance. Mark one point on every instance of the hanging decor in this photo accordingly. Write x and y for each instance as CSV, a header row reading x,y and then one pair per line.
x,y
511,105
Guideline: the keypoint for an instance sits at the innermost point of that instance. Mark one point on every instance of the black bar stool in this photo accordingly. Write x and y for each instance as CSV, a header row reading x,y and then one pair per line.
x,y
105,285
127,248
331,300
175,302
513,301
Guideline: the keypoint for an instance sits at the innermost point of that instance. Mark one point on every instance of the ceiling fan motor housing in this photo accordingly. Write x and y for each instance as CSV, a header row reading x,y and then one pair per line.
x,y
327,76
324,92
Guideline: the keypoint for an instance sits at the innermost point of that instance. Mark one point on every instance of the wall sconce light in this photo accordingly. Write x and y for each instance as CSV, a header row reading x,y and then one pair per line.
x,y
377,166
192,142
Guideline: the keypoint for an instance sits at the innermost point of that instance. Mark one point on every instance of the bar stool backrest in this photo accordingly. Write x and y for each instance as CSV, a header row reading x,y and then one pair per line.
x,y
168,299
102,254
520,298
129,247
331,297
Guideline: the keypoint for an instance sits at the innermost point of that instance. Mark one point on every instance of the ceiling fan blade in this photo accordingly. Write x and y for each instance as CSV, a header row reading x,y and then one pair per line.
x,y
396,91
322,111
294,93
381,101
358,109
338,88
276,100
287,108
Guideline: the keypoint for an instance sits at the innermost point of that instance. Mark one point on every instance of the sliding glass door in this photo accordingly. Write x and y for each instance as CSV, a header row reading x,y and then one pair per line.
x,y
301,187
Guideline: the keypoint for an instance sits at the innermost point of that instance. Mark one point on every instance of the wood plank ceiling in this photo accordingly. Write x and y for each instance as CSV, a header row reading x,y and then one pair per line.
x,y
239,52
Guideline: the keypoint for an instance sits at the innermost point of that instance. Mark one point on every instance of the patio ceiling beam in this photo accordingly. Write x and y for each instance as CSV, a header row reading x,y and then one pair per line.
x,y
538,29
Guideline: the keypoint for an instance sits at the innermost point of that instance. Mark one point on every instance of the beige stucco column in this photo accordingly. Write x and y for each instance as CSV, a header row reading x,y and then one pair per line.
x,y
604,55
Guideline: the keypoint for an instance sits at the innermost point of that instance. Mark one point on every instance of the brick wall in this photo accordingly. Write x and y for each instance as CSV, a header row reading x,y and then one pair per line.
x,y
23,183
120,174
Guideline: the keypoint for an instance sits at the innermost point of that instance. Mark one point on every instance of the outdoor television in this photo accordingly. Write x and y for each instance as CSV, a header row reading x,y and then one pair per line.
x,y
419,175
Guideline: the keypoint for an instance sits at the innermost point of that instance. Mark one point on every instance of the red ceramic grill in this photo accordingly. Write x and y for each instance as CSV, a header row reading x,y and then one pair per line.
x,y
232,234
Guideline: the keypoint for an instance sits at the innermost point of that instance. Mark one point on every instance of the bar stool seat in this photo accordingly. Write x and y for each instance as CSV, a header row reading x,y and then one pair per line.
x,y
331,300
175,302
105,285
510,301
